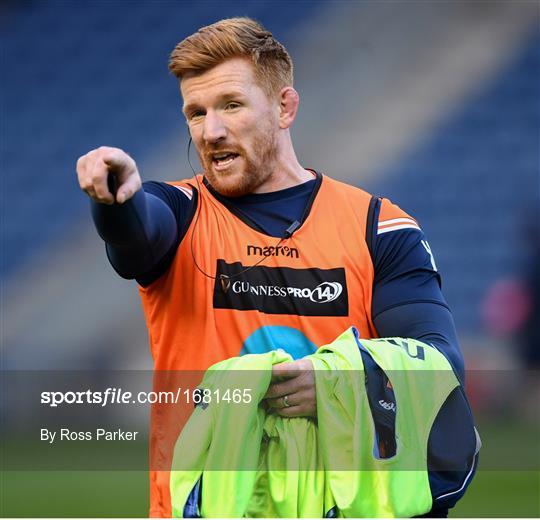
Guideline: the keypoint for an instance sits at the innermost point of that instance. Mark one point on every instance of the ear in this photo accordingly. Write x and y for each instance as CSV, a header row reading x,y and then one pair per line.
x,y
289,101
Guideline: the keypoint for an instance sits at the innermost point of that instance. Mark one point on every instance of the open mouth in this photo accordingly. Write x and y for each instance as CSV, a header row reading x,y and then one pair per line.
x,y
223,160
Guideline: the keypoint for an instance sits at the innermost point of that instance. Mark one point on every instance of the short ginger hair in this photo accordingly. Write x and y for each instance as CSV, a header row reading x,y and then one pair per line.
x,y
235,38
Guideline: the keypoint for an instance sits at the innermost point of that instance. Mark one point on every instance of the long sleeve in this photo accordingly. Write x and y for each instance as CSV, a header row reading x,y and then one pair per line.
x,y
408,302
142,235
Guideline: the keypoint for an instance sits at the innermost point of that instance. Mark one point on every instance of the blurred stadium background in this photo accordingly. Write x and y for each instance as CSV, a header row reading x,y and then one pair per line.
x,y
434,104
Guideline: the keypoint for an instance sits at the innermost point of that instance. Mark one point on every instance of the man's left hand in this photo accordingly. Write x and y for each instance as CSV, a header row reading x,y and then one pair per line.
x,y
292,391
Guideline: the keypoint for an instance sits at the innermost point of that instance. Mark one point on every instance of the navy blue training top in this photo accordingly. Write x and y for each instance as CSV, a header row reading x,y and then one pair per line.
x,y
143,234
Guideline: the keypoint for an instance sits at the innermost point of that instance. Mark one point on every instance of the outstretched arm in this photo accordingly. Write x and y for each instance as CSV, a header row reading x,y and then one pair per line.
x,y
140,229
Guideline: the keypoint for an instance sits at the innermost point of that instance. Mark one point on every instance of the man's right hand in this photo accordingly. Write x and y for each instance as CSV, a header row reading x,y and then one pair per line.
x,y
93,170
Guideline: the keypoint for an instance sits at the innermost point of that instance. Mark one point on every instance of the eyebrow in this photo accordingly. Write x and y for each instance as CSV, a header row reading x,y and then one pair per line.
x,y
189,108
226,96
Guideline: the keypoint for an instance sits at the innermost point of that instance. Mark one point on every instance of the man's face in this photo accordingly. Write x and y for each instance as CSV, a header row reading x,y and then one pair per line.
x,y
234,126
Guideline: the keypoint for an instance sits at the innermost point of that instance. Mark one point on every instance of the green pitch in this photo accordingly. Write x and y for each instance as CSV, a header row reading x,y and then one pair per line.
x,y
125,494
510,493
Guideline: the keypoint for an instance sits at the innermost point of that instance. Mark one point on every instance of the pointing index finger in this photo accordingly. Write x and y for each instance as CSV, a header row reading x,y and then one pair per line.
x,y
115,160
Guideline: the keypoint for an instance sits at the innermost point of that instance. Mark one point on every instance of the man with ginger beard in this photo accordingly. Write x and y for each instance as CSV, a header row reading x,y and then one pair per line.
x,y
251,142
258,252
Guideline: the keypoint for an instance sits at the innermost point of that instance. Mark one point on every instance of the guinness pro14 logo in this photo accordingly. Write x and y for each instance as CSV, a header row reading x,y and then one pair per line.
x,y
283,290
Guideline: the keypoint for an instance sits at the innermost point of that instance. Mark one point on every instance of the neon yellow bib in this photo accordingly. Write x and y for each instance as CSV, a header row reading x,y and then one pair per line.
x,y
360,484
261,465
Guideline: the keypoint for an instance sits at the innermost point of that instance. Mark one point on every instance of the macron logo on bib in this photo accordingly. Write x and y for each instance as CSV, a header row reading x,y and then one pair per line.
x,y
290,252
